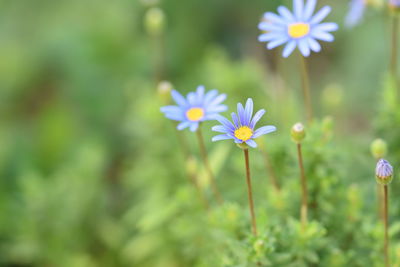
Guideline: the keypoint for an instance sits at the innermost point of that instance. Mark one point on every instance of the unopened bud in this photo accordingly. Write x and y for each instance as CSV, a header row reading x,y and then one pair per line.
x,y
154,21
164,89
378,148
383,172
298,133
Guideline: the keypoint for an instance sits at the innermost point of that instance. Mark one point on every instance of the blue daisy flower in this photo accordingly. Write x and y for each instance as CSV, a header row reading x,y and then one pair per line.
x,y
394,4
356,13
242,129
196,107
299,29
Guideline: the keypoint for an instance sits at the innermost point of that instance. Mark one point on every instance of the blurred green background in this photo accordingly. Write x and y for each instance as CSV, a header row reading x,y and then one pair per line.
x,y
92,173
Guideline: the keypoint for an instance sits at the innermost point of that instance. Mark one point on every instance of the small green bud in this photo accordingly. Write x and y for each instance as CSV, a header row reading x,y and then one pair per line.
x,y
298,133
383,172
154,21
378,148
164,89
191,166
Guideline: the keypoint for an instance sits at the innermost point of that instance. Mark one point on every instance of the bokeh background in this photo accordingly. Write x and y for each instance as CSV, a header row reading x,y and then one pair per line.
x,y
92,174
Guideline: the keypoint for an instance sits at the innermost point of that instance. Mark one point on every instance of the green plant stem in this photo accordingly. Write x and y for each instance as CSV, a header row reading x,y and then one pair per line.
x,y
192,177
303,209
386,219
394,44
207,165
305,82
250,192
270,169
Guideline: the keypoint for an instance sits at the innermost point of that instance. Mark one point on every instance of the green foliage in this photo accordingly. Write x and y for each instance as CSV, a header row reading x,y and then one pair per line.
x,y
92,174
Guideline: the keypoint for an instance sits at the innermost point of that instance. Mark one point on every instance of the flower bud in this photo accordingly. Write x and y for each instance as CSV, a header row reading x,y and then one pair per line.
x,y
383,172
154,21
378,148
298,133
164,89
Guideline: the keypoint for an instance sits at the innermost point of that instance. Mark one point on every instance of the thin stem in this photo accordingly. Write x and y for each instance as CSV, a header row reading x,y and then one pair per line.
x,y
393,58
192,177
206,163
386,219
270,170
306,88
250,192
303,210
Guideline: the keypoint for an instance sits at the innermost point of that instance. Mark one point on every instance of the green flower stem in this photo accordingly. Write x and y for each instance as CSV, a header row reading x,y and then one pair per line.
x,y
393,57
386,219
250,192
304,208
305,82
270,169
192,177
207,165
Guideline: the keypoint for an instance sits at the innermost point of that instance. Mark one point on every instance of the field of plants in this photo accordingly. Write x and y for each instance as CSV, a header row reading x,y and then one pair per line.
x,y
170,133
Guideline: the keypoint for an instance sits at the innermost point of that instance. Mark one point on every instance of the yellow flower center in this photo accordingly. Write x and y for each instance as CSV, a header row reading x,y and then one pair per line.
x,y
243,133
195,114
298,30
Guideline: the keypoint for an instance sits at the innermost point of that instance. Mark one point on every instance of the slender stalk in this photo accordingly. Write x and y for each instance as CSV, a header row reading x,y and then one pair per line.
x,y
192,177
303,209
250,192
270,170
386,219
305,82
207,165
394,44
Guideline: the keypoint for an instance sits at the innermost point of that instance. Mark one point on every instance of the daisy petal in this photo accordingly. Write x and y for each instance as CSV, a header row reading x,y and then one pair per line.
x,y
225,122
220,137
323,36
209,96
277,42
200,92
285,13
256,118
183,125
320,15
304,48
235,120
218,100
240,113
289,48
269,27
178,98
314,45
327,27
298,8
194,126
248,112
266,37
219,128
217,109
192,98
251,143
309,9
271,17
264,130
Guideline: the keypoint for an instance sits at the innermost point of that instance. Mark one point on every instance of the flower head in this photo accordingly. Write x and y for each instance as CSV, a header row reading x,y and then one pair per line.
x,y
242,130
298,29
394,4
196,107
356,12
383,172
